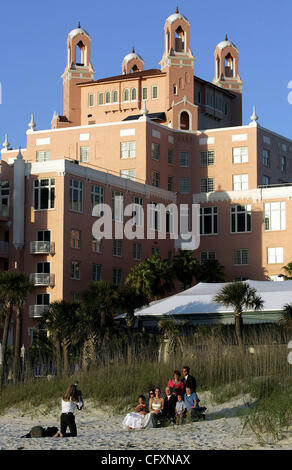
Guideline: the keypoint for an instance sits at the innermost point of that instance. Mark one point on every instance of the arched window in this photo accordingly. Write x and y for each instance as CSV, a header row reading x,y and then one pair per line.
x,y
134,94
134,69
126,94
107,97
184,121
80,54
115,96
179,36
229,66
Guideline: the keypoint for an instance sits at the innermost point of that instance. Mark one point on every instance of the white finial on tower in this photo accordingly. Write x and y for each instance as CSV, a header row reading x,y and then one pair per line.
x,y
6,144
19,155
144,110
144,116
32,124
254,116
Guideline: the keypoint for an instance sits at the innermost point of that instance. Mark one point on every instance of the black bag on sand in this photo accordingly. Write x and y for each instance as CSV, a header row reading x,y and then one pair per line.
x,y
39,431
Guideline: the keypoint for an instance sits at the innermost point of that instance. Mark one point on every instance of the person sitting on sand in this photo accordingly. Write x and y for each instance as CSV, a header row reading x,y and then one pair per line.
x,y
71,400
175,384
169,405
180,409
156,405
140,419
193,408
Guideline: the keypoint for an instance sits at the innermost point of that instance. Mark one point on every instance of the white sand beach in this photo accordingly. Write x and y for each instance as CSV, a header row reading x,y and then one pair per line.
x,y
101,430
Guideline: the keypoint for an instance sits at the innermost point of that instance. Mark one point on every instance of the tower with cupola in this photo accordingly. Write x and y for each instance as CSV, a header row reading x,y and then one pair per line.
x,y
78,69
178,62
227,72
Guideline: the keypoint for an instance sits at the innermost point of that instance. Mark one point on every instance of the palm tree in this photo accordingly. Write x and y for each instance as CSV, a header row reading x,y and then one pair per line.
x,y
286,319
288,272
211,271
240,296
14,287
61,320
96,316
129,300
153,277
171,338
22,287
186,267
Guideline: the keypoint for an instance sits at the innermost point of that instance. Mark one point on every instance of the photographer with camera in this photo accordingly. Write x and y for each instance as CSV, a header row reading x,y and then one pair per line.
x,y
71,400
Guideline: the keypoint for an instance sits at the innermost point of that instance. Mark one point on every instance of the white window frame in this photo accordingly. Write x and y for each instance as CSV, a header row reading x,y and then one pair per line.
x,y
152,93
275,255
243,255
37,187
209,182
118,206
128,149
213,214
43,155
207,158
74,264
236,212
90,100
79,189
275,212
239,155
240,182
84,153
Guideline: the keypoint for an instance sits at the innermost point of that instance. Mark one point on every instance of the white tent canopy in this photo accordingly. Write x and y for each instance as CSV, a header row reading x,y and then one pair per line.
x,y
198,301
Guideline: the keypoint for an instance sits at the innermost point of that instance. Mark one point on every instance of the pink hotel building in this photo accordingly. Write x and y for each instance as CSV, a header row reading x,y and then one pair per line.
x,y
145,136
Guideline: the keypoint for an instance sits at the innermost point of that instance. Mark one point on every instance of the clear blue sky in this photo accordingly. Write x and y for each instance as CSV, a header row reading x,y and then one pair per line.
x,y
33,51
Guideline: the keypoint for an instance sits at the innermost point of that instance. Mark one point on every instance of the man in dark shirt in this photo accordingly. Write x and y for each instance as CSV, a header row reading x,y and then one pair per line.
x,y
188,380
169,405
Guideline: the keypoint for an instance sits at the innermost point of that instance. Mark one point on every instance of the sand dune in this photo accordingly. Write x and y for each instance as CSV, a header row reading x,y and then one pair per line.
x,y
101,430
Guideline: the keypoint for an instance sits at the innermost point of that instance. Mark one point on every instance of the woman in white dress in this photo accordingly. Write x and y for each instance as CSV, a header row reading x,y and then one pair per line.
x,y
139,420
156,405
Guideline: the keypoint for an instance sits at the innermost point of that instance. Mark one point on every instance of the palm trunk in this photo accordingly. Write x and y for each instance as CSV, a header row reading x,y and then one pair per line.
x,y
57,344
18,334
66,358
238,329
8,316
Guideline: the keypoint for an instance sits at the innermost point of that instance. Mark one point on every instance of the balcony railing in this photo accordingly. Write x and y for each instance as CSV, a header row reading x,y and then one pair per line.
x,y
4,211
42,279
42,248
36,311
3,248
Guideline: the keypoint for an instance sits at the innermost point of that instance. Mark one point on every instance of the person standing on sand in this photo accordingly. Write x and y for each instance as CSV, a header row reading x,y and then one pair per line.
x,y
188,380
71,400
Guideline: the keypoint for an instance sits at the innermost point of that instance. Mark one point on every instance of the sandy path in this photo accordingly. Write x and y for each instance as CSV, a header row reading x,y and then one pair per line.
x,y
97,430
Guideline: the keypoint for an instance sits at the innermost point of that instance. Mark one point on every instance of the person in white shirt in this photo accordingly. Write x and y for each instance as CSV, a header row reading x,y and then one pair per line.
x,y
70,401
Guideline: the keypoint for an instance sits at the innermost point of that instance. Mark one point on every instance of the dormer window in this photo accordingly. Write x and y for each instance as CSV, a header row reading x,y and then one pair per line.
x,y
107,97
115,96
126,94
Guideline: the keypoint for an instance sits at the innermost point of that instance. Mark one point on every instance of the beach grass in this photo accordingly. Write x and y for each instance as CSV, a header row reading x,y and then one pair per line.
x,y
261,372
